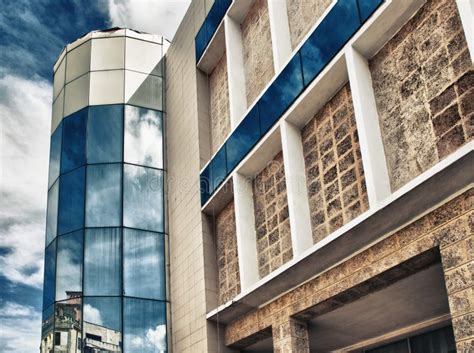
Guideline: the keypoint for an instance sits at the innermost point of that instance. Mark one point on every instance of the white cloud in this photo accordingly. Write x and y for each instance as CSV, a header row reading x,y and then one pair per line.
x,y
92,315
25,113
154,339
19,328
152,16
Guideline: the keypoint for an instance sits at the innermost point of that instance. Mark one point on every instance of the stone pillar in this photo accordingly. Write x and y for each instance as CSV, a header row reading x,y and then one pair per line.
x,y
290,336
458,264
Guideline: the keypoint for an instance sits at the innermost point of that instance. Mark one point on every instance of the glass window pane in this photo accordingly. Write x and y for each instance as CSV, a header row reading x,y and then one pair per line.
x,y
71,201
102,275
47,325
104,134
328,38
437,341
218,168
102,324
144,326
242,140
367,8
103,201
55,155
143,90
396,347
143,198
73,153
143,137
69,269
201,41
205,184
49,283
52,213
281,94
144,264
67,325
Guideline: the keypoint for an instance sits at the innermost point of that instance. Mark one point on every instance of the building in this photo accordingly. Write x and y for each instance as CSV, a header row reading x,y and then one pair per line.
x,y
319,181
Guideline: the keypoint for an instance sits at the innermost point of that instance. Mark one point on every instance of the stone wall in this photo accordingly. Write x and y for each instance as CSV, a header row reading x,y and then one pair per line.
x,y
227,255
424,92
334,173
257,47
219,104
271,217
447,231
302,15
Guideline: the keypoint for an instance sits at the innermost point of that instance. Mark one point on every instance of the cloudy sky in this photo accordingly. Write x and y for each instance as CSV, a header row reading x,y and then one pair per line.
x,y
32,34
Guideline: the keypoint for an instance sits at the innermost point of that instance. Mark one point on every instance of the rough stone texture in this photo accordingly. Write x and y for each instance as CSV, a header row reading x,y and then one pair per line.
x,y
219,104
447,230
257,47
302,15
334,173
227,255
271,217
291,336
424,92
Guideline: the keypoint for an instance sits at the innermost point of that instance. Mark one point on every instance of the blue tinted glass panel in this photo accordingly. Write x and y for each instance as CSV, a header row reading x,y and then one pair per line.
x,y
67,325
49,284
282,92
55,155
52,213
218,168
328,38
71,201
102,324
201,41
47,325
104,201
73,153
367,8
69,268
102,274
143,137
438,341
242,140
144,264
144,326
105,134
143,198
205,184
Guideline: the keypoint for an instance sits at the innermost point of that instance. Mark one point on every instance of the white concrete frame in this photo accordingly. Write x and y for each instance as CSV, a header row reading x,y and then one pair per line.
x,y
466,12
280,32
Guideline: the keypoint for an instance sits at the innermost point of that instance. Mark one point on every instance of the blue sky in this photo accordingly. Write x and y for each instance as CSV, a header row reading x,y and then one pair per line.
x,y
32,34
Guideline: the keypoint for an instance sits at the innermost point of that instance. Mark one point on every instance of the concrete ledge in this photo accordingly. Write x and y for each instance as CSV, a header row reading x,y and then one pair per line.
x,y
444,180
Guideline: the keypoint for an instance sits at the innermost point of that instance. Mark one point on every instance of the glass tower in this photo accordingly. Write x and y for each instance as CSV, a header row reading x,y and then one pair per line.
x,y
106,240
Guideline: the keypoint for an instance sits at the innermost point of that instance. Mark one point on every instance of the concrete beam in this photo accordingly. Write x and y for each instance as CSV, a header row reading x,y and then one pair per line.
x,y
280,31
466,12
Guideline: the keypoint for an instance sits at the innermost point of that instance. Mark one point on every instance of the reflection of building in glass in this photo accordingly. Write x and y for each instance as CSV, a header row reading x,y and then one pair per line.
x,y
319,196
105,287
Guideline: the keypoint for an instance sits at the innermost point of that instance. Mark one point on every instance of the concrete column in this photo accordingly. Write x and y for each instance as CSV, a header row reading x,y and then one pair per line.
x,y
280,31
466,12
245,231
458,266
367,120
297,194
235,71
290,336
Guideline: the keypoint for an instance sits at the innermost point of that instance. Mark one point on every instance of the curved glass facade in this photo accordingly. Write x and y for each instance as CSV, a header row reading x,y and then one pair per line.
x,y
105,258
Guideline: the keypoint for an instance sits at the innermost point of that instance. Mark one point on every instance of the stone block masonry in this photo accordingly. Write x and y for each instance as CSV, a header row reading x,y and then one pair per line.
x,y
271,217
227,254
334,173
219,104
257,46
302,15
422,80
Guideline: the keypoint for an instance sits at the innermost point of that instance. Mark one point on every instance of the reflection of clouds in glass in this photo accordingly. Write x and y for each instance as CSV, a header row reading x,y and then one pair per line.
x,y
92,315
143,198
143,137
154,339
103,195
52,213
68,273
